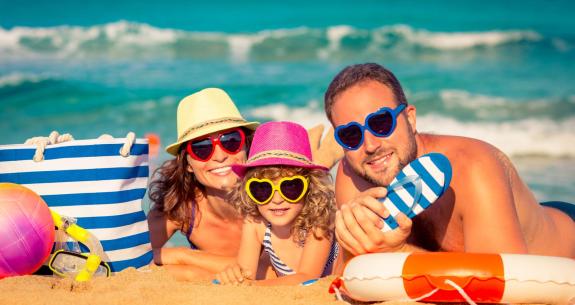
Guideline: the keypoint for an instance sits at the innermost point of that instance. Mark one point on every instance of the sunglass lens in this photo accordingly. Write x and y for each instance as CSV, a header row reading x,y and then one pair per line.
x,y
350,136
381,123
292,189
202,148
260,191
232,141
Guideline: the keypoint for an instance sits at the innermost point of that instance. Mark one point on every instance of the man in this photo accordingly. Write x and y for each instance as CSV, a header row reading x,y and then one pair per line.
x,y
488,208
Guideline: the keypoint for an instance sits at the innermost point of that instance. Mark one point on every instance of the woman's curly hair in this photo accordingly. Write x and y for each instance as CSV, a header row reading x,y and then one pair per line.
x,y
174,190
318,211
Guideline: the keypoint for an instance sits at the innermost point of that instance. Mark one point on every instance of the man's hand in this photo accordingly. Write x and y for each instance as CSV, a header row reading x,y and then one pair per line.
x,y
324,151
358,225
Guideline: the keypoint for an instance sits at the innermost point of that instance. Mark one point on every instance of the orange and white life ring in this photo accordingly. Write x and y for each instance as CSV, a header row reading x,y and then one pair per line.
x,y
459,277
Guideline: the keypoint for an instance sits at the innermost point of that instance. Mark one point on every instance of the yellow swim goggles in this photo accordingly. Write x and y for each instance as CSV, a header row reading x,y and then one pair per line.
x,y
292,189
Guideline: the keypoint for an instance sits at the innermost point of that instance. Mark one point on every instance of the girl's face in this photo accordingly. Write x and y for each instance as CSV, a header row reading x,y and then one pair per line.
x,y
216,172
279,212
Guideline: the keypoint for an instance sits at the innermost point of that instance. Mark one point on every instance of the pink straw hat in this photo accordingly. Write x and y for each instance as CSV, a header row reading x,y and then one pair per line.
x,y
279,143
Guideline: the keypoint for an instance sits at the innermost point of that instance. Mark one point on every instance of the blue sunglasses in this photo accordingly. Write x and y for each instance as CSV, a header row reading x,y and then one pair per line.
x,y
380,123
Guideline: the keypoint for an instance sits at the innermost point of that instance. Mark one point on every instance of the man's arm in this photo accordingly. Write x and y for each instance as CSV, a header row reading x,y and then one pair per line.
x,y
348,184
358,226
490,221
358,220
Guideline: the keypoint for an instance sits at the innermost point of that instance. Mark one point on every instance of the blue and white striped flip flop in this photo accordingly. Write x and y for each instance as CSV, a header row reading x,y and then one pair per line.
x,y
416,187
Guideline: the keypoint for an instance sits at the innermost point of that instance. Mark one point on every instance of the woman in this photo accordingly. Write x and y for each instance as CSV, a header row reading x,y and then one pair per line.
x,y
189,192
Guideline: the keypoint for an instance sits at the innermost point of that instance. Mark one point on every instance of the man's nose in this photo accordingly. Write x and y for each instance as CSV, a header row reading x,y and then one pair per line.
x,y
370,142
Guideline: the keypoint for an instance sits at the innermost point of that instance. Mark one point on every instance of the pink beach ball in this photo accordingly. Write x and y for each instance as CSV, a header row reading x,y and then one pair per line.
x,y
26,230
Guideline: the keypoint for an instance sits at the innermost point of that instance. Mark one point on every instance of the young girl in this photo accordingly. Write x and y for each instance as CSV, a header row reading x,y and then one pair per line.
x,y
289,207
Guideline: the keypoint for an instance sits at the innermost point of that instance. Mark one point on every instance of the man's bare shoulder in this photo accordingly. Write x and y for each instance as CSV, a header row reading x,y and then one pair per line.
x,y
480,172
472,160
461,149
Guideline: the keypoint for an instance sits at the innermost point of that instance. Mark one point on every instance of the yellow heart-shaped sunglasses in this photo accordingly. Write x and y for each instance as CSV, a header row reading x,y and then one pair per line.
x,y
292,189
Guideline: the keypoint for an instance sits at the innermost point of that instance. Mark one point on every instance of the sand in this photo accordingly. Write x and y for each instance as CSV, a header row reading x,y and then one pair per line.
x,y
154,286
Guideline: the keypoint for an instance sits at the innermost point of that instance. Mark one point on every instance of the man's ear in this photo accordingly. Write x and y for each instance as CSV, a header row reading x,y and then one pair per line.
x,y
189,168
410,113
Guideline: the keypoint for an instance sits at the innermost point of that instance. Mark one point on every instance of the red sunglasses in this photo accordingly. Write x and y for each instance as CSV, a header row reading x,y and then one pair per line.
x,y
231,141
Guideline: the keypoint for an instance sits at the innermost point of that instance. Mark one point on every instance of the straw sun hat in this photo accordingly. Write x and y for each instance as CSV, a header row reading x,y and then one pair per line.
x,y
204,112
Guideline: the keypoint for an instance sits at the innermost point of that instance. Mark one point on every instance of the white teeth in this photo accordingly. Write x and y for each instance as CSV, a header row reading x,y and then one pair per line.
x,y
221,170
379,161
382,160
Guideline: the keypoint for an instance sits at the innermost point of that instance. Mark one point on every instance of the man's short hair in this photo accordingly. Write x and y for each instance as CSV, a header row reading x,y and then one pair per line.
x,y
356,74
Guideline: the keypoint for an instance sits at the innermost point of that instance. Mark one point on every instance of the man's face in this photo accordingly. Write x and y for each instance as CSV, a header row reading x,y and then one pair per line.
x,y
379,159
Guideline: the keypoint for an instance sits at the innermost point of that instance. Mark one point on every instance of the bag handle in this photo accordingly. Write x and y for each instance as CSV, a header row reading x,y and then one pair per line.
x,y
42,142
56,138
125,149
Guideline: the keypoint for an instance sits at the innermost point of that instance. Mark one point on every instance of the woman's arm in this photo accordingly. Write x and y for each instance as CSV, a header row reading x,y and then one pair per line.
x,y
161,229
183,256
189,272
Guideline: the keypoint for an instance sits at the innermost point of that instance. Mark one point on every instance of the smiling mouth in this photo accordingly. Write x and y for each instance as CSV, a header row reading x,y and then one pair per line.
x,y
379,160
279,212
221,171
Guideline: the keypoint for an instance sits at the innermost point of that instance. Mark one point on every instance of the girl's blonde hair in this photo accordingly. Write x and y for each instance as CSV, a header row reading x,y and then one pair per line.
x,y
318,211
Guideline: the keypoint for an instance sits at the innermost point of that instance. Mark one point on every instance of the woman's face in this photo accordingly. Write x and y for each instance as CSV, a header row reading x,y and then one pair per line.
x,y
216,172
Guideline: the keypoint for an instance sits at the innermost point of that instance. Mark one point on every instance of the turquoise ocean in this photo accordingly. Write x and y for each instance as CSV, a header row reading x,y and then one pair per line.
x,y
500,71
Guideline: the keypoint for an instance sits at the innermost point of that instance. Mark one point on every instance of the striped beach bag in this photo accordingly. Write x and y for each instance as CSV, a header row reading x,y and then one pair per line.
x,y
100,182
